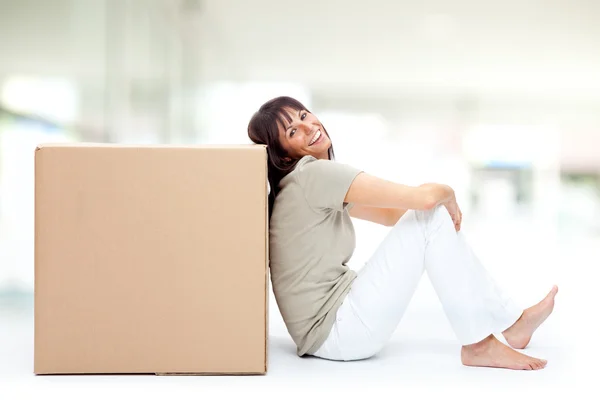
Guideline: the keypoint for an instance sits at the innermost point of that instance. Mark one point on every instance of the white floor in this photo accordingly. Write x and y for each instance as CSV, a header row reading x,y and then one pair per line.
x,y
422,358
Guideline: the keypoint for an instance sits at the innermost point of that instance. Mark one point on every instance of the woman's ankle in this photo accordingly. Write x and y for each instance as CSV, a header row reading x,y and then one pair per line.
x,y
480,345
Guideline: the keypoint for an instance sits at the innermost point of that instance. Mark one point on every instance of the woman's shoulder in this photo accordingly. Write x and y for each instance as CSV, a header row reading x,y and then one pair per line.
x,y
306,160
303,166
309,162
309,168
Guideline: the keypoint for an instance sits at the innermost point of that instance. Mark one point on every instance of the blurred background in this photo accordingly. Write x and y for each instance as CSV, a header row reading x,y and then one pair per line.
x,y
500,100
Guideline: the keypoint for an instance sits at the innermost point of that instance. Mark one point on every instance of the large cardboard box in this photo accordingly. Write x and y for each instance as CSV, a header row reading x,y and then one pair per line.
x,y
151,259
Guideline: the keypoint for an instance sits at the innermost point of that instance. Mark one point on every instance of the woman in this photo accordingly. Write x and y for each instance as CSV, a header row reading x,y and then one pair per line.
x,y
336,313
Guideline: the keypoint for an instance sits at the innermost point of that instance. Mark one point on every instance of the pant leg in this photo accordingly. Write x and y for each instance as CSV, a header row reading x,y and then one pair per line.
x,y
422,241
473,302
379,295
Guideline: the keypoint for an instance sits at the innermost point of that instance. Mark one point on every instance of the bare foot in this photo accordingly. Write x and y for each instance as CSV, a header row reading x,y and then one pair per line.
x,y
490,352
519,334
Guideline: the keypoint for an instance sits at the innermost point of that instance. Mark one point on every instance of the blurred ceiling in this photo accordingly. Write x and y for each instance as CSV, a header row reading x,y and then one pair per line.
x,y
463,45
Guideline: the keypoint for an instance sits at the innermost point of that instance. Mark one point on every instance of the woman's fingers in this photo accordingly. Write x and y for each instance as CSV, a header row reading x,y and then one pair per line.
x,y
455,214
456,221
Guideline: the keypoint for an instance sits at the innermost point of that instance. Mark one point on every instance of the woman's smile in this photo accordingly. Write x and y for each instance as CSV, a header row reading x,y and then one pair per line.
x,y
317,138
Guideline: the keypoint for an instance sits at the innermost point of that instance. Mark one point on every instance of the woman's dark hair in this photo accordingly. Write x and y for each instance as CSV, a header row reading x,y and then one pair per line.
x,y
263,129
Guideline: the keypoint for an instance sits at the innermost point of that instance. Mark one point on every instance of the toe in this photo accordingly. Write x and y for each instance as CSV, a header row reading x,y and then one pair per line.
x,y
541,364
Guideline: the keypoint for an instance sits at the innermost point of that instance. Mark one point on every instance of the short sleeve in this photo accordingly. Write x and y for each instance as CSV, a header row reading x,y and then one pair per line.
x,y
325,183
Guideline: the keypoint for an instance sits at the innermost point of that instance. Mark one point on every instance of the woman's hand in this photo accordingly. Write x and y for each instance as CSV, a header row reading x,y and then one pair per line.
x,y
454,211
439,194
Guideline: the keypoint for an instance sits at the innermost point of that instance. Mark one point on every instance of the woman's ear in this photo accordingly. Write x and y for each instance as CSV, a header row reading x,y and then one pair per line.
x,y
287,159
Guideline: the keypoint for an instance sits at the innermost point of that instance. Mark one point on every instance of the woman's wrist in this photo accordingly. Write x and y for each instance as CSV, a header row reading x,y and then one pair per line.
x,y
450,195
438,194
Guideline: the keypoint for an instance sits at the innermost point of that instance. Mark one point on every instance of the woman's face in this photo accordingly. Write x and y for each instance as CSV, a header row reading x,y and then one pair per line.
x,y
304,136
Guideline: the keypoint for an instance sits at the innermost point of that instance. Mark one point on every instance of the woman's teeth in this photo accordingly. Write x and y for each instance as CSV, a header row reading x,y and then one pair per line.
x,y
315,138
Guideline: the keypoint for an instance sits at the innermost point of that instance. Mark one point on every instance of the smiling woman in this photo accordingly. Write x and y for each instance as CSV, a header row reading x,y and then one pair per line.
x,y
304,135
276,124
334,312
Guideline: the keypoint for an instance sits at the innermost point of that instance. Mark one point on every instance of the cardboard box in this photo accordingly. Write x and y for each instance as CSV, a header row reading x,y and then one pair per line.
x,y
151,259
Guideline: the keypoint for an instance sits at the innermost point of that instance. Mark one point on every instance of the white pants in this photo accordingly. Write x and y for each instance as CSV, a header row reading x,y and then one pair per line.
x,y
420,241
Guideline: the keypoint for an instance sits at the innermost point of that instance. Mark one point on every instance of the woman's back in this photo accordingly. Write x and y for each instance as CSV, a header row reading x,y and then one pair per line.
x,y
311,240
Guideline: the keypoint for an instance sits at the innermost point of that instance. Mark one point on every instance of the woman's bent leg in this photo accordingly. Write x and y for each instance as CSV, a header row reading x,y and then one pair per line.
x,y
423,240
472,301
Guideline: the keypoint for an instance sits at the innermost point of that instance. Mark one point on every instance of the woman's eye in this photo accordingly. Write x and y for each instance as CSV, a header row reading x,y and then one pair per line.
x,y
292,132
303,116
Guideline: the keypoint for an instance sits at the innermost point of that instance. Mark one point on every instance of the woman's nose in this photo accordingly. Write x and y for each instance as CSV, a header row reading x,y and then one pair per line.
x,y
306,128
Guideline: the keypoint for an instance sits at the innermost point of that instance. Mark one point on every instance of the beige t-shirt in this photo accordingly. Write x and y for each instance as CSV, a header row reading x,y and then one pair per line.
x,y
311,240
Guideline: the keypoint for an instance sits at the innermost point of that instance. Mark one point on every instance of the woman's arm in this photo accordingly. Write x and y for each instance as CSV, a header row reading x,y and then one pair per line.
x,y
372,191
382,216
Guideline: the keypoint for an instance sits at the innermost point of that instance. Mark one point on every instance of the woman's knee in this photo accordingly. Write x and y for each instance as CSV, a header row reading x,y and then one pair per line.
x,y
439,211
431,213
437,215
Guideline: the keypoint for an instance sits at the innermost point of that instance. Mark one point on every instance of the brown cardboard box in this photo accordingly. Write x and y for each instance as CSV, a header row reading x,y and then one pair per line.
x,y
151,259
